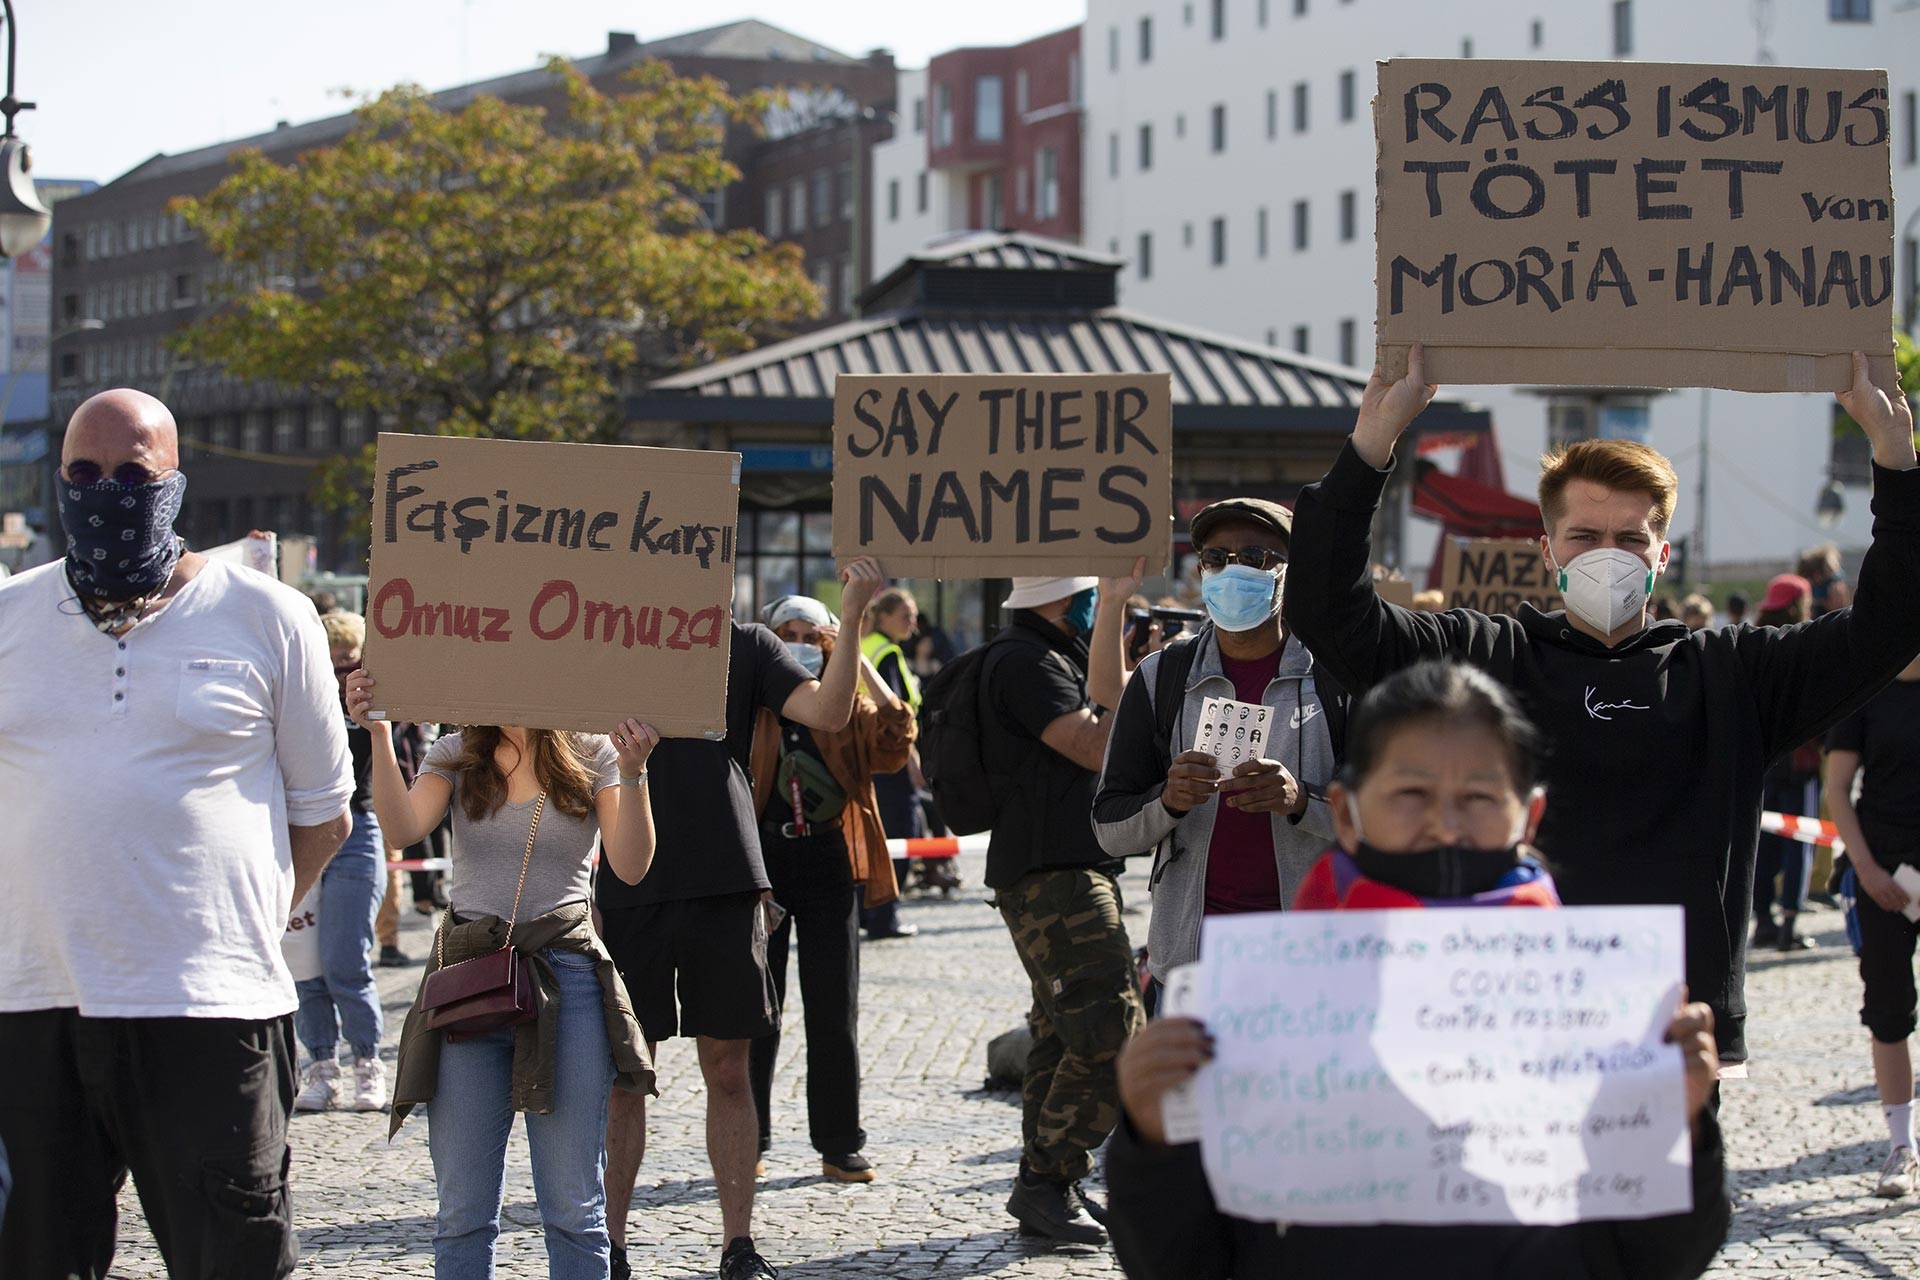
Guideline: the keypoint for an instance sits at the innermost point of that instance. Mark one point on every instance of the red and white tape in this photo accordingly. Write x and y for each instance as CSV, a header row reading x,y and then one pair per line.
x,y
1805,830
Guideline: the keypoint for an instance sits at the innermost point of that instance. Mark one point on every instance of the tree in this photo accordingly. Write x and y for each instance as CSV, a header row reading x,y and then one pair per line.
x,y
496,270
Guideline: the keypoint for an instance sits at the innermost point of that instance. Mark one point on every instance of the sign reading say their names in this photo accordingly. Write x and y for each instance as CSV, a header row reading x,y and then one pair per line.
x,y
553,586
1449,1065
1003,475
1497,575
1640,224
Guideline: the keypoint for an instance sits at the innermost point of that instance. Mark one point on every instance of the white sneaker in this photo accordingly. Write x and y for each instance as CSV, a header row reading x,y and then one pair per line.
x,y
369,1085
1899,1175
318,1084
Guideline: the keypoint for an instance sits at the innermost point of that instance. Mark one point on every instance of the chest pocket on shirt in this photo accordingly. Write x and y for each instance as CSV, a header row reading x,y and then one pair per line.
x,y
220,695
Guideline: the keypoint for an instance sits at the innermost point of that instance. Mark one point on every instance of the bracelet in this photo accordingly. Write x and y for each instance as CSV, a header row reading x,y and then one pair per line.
x,y
636,780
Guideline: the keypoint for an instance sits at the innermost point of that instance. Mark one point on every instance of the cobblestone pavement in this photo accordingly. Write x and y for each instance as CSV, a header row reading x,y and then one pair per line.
x,y
1804,1136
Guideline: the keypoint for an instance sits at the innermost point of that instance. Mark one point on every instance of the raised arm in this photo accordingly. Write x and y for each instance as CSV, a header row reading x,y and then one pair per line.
x,y
406,816
826,704
625,811
1107,669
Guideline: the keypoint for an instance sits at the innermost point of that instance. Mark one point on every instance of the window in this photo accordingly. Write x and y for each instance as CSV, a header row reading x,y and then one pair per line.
x,y
943,115
1219,19
319,430
1113,48
1349,205
822,197
253,432
1143,261
1299,224
1217,242
1020,100
1850,10
1186,13
1273,114
847,192
1113,155
822,276
893,199
1146,40
1299,8
353,430
1260,232
776,200
1300,338
920,192
987,125
1186,235
1020,192
1073,79
1346,343
69,366
1219,127
93,242
797,205
1910,108
1349,96
1046,183
162,229
846,284
1466,46
992,205
286,430
1622,28
1273,337
1180,124
1300,107
919,115
1260,9
1146,147
69,307
1538,35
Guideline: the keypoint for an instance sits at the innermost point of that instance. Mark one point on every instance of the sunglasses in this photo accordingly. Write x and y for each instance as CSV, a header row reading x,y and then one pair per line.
x,y
1214,559
129,475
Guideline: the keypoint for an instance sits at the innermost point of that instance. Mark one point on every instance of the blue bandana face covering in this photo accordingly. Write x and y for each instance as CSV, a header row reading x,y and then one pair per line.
x,y
120,539
1240,598
1079,613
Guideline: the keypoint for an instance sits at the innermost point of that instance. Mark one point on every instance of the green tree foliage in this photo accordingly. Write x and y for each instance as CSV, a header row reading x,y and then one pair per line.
x,y
496,270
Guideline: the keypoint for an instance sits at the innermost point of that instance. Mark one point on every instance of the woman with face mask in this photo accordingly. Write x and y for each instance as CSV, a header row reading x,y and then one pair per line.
x,y
826,856
1435,807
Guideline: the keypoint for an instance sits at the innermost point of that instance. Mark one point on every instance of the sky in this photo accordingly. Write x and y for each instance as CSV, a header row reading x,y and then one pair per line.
x,y
118,80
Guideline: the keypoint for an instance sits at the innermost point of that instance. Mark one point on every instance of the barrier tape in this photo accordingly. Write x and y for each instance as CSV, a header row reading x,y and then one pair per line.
x,y
1805,830
938,846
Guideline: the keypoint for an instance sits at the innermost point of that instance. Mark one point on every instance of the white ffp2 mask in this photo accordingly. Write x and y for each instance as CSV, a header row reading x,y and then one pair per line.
x,y
1606,588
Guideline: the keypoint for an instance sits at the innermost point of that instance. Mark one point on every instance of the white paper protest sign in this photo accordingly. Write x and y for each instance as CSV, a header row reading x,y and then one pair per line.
x,y
1493,1065
1232,732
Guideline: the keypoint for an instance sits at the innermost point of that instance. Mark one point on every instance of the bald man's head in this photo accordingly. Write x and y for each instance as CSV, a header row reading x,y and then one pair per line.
x,y
121,426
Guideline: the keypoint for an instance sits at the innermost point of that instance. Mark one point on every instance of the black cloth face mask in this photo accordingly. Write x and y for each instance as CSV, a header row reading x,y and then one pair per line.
x,y
1449,871
120,539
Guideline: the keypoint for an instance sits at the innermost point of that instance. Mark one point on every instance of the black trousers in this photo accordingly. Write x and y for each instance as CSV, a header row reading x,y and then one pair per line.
x,y
195,1108
813,880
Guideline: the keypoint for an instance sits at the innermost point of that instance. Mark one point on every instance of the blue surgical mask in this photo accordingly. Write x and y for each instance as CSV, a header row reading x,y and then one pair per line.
x,y
120,539
1239,598
810,656
1079,613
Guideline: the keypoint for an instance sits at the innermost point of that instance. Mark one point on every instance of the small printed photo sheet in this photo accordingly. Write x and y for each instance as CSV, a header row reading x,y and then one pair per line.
x,y
1232,732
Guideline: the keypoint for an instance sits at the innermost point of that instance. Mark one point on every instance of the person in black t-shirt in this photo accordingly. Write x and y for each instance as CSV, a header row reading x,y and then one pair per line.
x,y
1058,893
699,920
1882,833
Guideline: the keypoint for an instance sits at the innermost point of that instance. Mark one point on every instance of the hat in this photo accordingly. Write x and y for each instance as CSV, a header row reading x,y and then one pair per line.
x,y
1269,515
1030,593
1784,590
787,608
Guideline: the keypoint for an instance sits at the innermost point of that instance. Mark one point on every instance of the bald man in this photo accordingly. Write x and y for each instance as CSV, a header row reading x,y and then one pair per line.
x,y
174,774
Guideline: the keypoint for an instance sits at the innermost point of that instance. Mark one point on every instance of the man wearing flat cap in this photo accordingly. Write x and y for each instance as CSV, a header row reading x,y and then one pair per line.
x,y
1057,891
1240,842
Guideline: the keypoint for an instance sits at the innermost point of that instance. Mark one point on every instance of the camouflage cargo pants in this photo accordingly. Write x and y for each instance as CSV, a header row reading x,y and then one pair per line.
x,y
1066,926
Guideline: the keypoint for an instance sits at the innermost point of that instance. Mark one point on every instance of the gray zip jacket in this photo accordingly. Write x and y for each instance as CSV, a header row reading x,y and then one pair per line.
x,y
1129,819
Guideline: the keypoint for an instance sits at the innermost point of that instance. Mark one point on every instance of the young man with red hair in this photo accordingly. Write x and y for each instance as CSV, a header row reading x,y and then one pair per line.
x,y
1659,737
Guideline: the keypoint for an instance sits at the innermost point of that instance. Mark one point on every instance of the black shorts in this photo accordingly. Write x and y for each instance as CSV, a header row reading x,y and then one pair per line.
x,y
714,950
1887,941
195,1108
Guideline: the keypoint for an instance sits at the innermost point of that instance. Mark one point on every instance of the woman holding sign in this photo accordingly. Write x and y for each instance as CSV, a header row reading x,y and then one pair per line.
x,y
526,804
1435,806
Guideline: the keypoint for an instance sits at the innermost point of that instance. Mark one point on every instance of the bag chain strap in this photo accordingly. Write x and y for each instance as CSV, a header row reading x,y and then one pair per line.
x,y
440,939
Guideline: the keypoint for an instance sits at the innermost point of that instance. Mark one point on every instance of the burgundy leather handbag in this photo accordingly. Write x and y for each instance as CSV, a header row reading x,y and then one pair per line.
x,y
484,993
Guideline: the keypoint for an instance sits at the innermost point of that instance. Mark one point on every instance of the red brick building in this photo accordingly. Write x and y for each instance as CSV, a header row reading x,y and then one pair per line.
x,y
1006,123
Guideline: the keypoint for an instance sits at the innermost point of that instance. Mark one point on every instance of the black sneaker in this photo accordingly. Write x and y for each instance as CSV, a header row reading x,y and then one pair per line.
x,y
740,1262
620,1270
392,957
1095,1210
852,1167
1050,1209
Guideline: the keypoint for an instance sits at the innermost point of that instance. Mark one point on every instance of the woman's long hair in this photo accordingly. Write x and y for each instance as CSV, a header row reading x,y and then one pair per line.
x,y
559,766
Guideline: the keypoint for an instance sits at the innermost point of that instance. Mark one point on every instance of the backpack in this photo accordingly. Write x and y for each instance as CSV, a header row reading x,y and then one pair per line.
x,y
952,741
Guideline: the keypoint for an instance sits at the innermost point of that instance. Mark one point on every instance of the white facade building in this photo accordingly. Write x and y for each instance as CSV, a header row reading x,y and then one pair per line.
x,y
912,203
1229,155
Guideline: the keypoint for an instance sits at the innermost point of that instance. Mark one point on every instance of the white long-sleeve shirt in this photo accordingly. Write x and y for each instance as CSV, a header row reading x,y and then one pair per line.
x,y
146,787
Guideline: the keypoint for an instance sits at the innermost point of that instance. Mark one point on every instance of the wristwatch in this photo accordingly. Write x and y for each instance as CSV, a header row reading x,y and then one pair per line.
x,y
635,780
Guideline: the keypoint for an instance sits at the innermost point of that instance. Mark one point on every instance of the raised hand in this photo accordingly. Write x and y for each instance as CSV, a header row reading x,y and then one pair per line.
x,y
863,580
1387,407
633,742
1887,420
359,695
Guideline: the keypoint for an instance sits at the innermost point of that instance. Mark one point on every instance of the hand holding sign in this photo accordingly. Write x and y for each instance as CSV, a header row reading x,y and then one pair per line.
x,y
1192,779
1264,786
633,742
1887,420
1161,1058
1386,408
862,581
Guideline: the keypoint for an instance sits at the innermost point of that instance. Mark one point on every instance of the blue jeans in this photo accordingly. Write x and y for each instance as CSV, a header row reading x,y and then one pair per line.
x,y
472,1113
350,891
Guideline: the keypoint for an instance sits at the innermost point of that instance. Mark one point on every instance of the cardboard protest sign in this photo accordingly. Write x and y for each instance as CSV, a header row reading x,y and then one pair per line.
x,y
1494,575
556,586
1450,1065
1639,224
1003,475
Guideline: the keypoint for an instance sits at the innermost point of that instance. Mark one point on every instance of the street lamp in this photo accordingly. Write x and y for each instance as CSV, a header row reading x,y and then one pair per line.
x,y
23,219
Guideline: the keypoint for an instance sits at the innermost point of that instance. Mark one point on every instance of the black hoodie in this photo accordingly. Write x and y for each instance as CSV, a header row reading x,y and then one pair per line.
x,y
1657,747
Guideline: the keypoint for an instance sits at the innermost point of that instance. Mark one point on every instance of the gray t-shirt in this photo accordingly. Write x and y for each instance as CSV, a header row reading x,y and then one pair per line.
x,y
487,853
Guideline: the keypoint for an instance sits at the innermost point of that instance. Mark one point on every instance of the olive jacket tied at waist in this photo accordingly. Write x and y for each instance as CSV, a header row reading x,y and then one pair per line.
x,y
568,927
